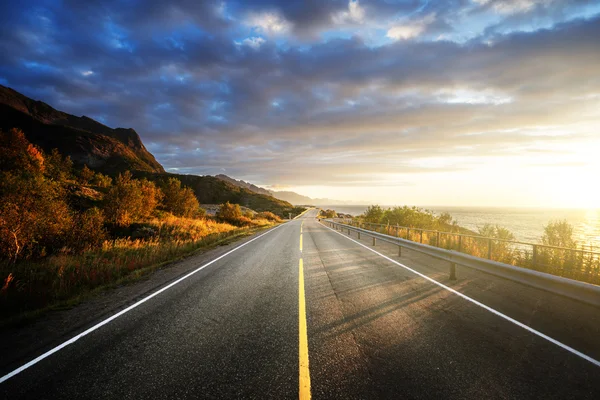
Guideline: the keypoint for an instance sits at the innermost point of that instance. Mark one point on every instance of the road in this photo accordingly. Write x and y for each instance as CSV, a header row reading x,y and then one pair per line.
x,y
305,311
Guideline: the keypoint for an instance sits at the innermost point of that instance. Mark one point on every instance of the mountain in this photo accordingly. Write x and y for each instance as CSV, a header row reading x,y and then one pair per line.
x,y
86,141
291,197
299,199
113,151
245,185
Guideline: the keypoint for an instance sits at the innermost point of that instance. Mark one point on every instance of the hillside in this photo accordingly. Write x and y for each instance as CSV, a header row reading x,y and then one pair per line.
x,y
86,141
113,151
244,184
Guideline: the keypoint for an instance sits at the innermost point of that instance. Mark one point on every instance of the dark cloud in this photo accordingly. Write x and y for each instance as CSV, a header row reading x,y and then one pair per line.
x,y
205,97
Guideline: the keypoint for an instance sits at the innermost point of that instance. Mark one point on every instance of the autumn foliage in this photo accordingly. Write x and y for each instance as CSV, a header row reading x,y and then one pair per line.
x,y
65,230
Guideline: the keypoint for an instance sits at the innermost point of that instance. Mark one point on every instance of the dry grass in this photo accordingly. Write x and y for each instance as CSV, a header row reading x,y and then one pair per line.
x,y
31,285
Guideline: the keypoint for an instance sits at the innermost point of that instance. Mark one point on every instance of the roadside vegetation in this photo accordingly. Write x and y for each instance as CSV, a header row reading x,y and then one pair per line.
x,y
65,232
557,252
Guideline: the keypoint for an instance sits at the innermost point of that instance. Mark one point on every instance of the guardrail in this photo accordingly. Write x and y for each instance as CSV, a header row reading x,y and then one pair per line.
x,y
578,264
577,290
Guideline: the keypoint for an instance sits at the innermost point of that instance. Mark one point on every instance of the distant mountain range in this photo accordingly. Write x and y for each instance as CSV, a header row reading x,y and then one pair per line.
x,y
291,197
113,151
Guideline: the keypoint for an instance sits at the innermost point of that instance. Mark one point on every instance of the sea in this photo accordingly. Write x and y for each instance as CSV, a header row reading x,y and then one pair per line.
x,y
527,224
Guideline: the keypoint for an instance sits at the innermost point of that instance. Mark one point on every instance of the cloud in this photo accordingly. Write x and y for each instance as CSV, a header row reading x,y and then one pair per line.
x,y
354,14
253,42
410,29
269,23
281,94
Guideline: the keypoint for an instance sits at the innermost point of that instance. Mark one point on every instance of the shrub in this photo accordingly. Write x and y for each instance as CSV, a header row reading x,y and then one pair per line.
x,y
18,154
178,200
130,200
88,230
373,214
57,167
559,234
34,216
269,216
101,180
85,175
232,213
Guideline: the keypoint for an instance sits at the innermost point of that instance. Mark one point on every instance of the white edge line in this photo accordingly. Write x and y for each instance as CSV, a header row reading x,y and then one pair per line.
x,y
117,315
493,311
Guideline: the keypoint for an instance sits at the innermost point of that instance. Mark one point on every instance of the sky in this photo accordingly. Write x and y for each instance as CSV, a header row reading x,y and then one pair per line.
x,y
462,102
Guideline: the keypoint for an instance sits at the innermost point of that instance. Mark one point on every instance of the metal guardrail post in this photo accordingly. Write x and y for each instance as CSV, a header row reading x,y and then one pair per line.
x,y
452,271
359,234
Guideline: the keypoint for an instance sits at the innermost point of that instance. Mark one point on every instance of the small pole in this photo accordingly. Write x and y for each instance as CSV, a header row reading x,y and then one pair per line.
x,y
452,271
407,233
459,243
489,249
421,236
399,251
373,240
437,240
359,234
534,255
348,231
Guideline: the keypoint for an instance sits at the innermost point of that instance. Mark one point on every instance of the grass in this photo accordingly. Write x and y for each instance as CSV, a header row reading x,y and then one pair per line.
x,y
63,280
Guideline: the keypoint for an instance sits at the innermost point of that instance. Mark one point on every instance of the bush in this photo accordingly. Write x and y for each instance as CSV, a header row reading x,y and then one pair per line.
x,y
373,214
18,154
180,201
86,175
559,234
57,167
232,213
88,230
34,216
269,216
101,180
131,200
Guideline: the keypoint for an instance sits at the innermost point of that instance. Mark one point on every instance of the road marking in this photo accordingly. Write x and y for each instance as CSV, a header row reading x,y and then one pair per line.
x,y
493,311
304,389
131,307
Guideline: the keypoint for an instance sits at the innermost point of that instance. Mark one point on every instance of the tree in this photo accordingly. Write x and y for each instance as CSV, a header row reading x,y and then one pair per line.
x,y
101,180
180,201
34,216
559,234
86,175
373,214
130,200
57,167
88,230
18,154
231,213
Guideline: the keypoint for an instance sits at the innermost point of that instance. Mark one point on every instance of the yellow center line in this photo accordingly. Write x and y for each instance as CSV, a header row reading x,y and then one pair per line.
x,y
303,335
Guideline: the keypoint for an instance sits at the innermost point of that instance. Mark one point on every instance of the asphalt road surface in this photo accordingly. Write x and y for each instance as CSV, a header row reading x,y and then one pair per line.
x,y
303,310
